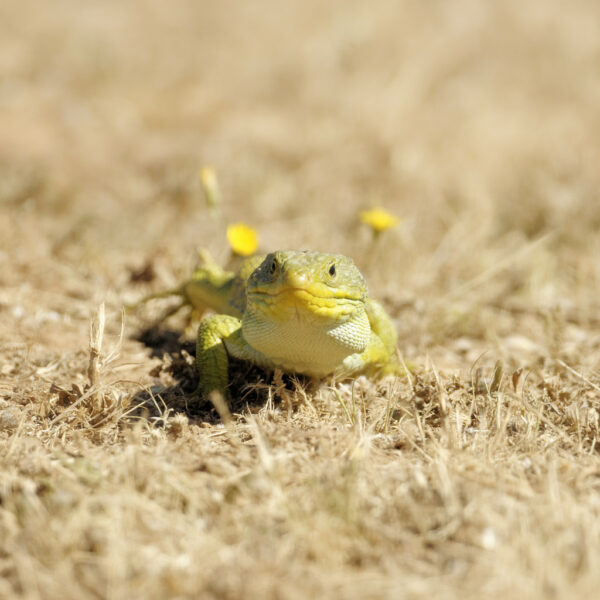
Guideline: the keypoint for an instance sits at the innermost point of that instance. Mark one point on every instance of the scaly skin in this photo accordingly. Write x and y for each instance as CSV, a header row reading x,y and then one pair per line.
x,y
302,312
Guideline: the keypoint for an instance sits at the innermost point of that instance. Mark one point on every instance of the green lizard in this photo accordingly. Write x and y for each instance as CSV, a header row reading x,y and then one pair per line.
x,y
301,312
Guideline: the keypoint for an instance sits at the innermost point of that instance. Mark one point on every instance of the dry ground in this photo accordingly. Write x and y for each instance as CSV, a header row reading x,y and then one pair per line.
x,y
477,122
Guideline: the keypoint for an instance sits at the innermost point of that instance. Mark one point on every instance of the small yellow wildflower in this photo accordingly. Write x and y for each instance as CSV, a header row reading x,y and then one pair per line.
x,y
210,187
378,219
242,239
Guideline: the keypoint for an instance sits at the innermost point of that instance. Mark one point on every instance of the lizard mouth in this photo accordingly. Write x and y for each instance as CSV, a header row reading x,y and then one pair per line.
x,y
297,295
286,291
282,302
302,293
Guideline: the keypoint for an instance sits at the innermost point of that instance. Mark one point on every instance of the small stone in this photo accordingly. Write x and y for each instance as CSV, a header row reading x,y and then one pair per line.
x,y
9,418
489,539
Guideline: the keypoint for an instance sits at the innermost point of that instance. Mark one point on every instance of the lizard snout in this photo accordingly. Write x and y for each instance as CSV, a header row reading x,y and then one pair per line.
x,y
298,280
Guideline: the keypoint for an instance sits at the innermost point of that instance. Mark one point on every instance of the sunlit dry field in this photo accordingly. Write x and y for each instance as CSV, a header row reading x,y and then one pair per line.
x,y
477,123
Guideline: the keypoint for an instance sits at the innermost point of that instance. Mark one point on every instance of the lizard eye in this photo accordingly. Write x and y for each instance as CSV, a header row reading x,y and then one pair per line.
x,y
273,266
332,270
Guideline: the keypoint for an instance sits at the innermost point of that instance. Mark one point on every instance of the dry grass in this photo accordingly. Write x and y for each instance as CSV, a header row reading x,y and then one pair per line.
x,y
478,123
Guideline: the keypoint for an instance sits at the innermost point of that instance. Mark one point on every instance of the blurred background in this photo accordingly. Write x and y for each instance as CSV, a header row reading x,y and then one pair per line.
x,y
478,124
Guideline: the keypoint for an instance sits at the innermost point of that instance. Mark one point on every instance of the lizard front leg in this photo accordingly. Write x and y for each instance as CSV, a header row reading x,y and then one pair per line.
x,y
220,336
380,356
212,361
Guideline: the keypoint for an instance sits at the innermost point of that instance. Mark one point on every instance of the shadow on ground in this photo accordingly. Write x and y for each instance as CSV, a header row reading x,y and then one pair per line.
x,y
250,387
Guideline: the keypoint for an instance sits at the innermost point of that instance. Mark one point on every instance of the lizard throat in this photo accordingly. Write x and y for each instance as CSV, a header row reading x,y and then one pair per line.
x,y
306,339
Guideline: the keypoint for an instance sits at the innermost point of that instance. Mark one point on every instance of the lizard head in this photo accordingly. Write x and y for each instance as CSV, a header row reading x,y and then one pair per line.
x,y
306,311
319,284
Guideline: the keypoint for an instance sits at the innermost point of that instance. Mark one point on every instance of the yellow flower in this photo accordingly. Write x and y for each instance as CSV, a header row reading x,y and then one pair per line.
x,y
242,239
210,186
378,219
